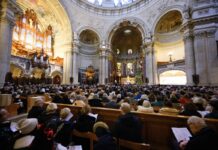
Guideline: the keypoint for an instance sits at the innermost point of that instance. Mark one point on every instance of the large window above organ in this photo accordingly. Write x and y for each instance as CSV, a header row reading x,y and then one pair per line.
x,y
29,38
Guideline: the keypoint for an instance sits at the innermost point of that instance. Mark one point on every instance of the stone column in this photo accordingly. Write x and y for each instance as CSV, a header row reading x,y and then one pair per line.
x,y
206,55
75,62
103,71
189,57
150,63
8,10
67,71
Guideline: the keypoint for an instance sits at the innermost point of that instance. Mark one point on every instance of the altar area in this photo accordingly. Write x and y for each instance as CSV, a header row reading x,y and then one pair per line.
x,y
128,80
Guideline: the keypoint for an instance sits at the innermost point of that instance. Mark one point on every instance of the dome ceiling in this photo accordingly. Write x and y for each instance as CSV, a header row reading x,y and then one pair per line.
x,y
111,3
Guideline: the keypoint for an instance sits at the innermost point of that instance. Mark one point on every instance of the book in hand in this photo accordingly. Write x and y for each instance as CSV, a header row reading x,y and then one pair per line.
x,y
181,134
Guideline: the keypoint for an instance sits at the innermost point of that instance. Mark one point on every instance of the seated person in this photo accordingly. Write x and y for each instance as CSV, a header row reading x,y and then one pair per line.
x,y
105,139
146,108
64,131
190,110
6,134
95,102
128,126
37,110
48,124
78,101
214,113
112,103
29,138
203,137
168,109
85,122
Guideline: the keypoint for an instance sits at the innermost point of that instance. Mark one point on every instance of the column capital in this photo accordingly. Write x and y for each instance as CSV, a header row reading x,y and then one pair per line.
x,y
9,10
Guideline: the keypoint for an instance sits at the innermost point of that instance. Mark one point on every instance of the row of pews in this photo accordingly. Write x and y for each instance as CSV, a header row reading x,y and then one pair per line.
x,y
156,127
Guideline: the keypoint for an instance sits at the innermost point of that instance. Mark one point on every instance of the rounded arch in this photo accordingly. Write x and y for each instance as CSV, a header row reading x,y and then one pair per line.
x,y
163,13
81,29
133,21
16,70
56,72
173,77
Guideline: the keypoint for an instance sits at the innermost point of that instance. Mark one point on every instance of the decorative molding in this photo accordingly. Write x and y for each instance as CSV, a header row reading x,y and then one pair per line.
x,y
108,11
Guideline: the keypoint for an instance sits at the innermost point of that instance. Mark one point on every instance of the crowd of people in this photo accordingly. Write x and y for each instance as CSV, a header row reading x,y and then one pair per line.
x,y
45,127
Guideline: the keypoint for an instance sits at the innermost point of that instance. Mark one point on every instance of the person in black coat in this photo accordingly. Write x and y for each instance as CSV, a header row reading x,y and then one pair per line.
x,y
128,126
6,134
64,131
214,113
203,137
37,110
85,122
95,102
190,110
105,139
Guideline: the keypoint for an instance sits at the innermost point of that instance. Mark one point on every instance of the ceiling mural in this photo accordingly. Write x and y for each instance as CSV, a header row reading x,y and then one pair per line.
x,y
169,22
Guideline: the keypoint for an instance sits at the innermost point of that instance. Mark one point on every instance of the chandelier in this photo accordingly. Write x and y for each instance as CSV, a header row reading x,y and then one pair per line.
x,y
40,60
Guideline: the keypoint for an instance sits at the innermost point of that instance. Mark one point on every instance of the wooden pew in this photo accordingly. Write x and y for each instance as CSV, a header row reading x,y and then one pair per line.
x,y
156,127
12,109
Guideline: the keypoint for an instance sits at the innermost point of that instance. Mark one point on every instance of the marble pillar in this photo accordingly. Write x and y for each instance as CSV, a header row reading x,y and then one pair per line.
x,y
189,57
151,64
75,64
68,67
8,10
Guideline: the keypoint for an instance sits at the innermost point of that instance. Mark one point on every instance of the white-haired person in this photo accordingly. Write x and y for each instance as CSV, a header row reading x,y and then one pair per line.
x,y
37,110
128,126
146,107
48,124
204,138
65,128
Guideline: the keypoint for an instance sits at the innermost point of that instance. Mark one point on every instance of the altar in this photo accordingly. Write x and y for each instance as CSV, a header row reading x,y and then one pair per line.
x,y
128,80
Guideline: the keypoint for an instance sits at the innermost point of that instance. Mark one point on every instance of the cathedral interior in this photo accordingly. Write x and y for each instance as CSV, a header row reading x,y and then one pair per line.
x,y
166,42
143,68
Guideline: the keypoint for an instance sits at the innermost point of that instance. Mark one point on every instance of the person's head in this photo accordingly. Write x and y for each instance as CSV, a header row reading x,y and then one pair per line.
x,y
146,104
39,102
196,124
100,129
3,115
64,113
27,126
190,107
51,107
168,103
214,104
125,108
86,109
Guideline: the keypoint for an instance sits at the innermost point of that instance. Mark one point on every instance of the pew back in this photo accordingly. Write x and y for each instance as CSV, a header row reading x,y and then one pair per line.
x,y
156,127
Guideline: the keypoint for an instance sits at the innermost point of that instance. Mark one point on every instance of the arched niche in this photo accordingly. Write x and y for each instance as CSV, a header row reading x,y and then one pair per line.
x,y
168,43
16,70
90,37
126,41
173,77
57,77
